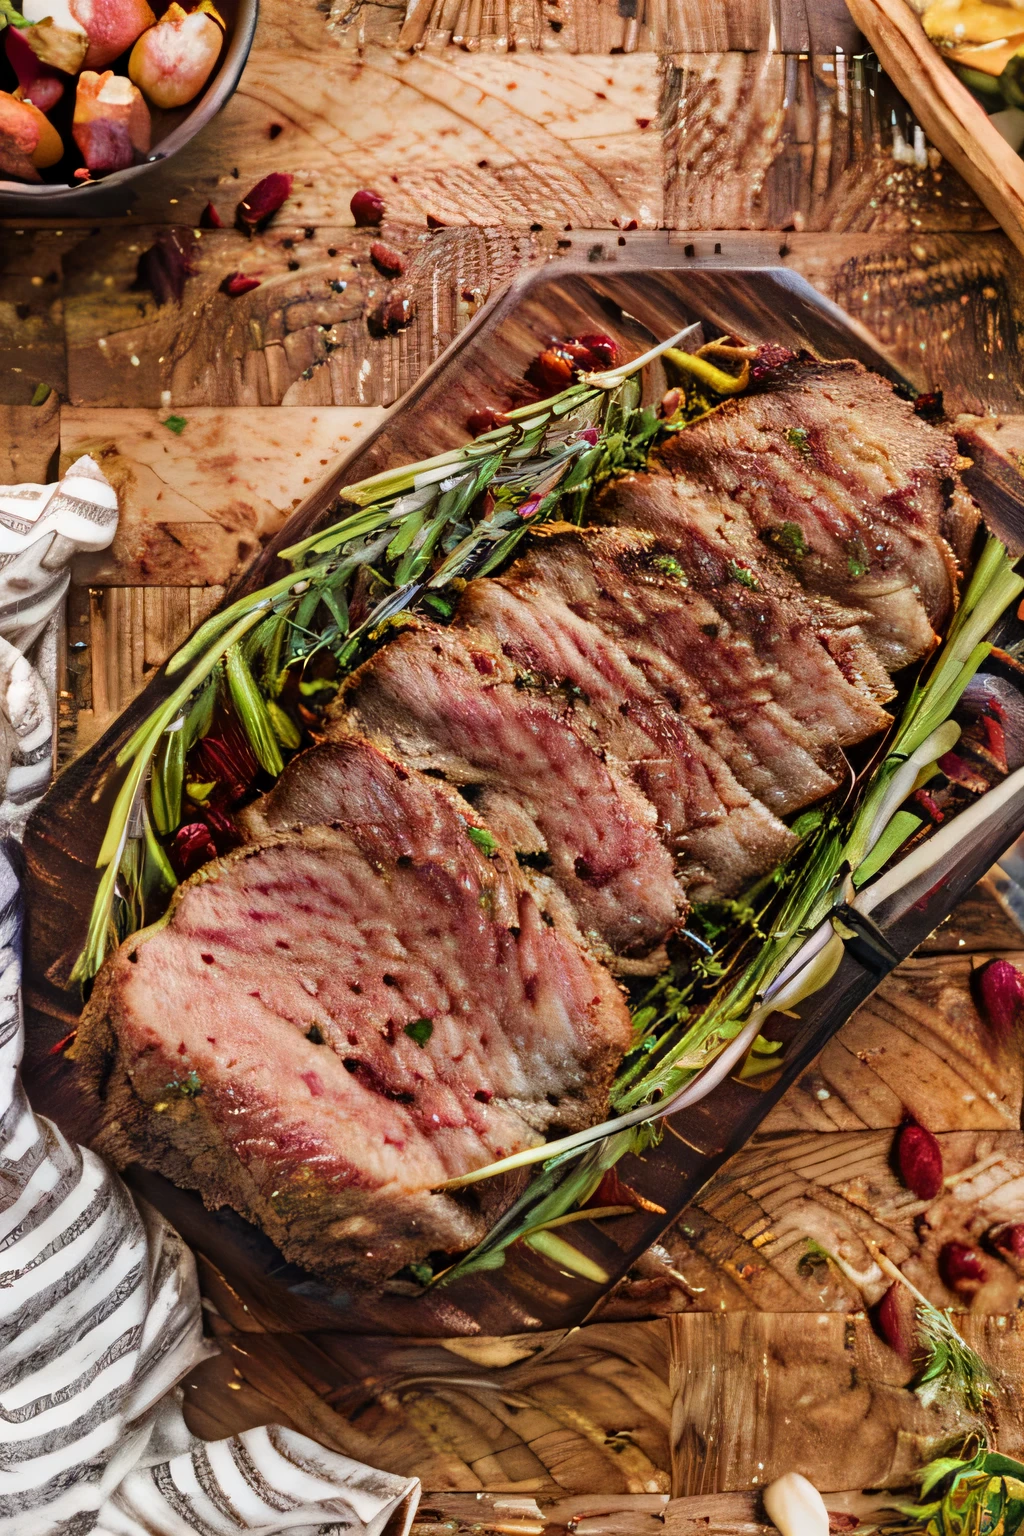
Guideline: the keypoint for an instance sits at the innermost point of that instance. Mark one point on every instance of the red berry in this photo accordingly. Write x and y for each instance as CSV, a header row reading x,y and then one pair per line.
x,y
258,207
896,1317
551,371
367,208
603,347
237,283
962,1268
920,1161
1010,1240
482,420
999,988
386,259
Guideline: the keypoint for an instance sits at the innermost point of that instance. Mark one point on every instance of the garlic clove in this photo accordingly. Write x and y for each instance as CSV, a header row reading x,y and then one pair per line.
x,y
172,61
795,1507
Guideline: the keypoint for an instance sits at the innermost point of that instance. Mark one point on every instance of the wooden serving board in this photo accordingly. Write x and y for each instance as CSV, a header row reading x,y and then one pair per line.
x,y
755,126
638,302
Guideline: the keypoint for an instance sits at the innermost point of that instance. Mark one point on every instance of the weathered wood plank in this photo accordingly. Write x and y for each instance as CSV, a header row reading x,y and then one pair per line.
x,y
949,307
197,503
29,442
758,1395
31,315
774,141
302,338
557,146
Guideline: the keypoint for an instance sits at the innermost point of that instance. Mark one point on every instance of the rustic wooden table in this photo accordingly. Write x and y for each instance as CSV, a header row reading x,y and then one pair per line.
x,y
502,133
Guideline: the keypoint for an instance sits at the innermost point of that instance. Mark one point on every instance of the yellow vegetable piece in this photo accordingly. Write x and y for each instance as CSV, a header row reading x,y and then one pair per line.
x,y
988,58
970,21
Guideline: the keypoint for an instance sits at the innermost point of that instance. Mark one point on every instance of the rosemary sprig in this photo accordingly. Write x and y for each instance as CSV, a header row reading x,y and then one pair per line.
x,y
413,532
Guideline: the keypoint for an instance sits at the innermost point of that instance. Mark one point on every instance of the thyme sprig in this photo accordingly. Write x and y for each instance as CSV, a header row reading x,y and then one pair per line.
x,y
409,534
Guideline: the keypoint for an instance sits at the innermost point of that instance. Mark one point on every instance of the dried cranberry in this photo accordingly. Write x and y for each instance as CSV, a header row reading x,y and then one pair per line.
x,y
210,218
897,1318
386,259
193,846
999,989
920,1161
958,771
962,1268
237,283
482,420
258,207
605,350
551,371
164,267
1010,1240
367,208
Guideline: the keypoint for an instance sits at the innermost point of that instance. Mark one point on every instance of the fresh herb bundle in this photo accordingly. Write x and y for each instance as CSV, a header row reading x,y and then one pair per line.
x,y
966,1495
416,532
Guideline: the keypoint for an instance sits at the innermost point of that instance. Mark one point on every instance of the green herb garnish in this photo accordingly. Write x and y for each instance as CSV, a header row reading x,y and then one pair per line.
x,y
176,424
484,840
857,562
745,577
42,392
420,1030
789,539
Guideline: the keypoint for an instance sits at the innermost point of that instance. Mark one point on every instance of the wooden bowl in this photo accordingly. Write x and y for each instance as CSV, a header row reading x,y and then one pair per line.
x,y
65,198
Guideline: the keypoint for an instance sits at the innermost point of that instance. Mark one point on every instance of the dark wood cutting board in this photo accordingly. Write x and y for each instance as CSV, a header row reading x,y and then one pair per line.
x,y
640,297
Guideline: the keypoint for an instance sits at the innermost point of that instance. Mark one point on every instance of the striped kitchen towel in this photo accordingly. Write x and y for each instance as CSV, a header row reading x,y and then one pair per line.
x,y
99,1320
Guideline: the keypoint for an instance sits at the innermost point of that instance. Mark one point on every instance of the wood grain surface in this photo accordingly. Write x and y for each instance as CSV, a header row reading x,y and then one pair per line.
x,y
504,133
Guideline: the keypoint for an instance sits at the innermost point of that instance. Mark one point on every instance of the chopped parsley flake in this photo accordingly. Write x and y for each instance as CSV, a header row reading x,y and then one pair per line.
x,y
484,840
420,1030
743,576
176,424
788,538
668,565
796,437
857,558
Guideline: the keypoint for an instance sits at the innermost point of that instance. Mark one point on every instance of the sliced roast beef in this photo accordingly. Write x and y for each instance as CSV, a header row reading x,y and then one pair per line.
x,y
766,697
720,556
854,490
724,836
334,1021
449,704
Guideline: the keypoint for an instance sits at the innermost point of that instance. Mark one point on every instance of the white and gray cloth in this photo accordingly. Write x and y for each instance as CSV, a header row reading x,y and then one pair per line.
x,y
41,528
99,1302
